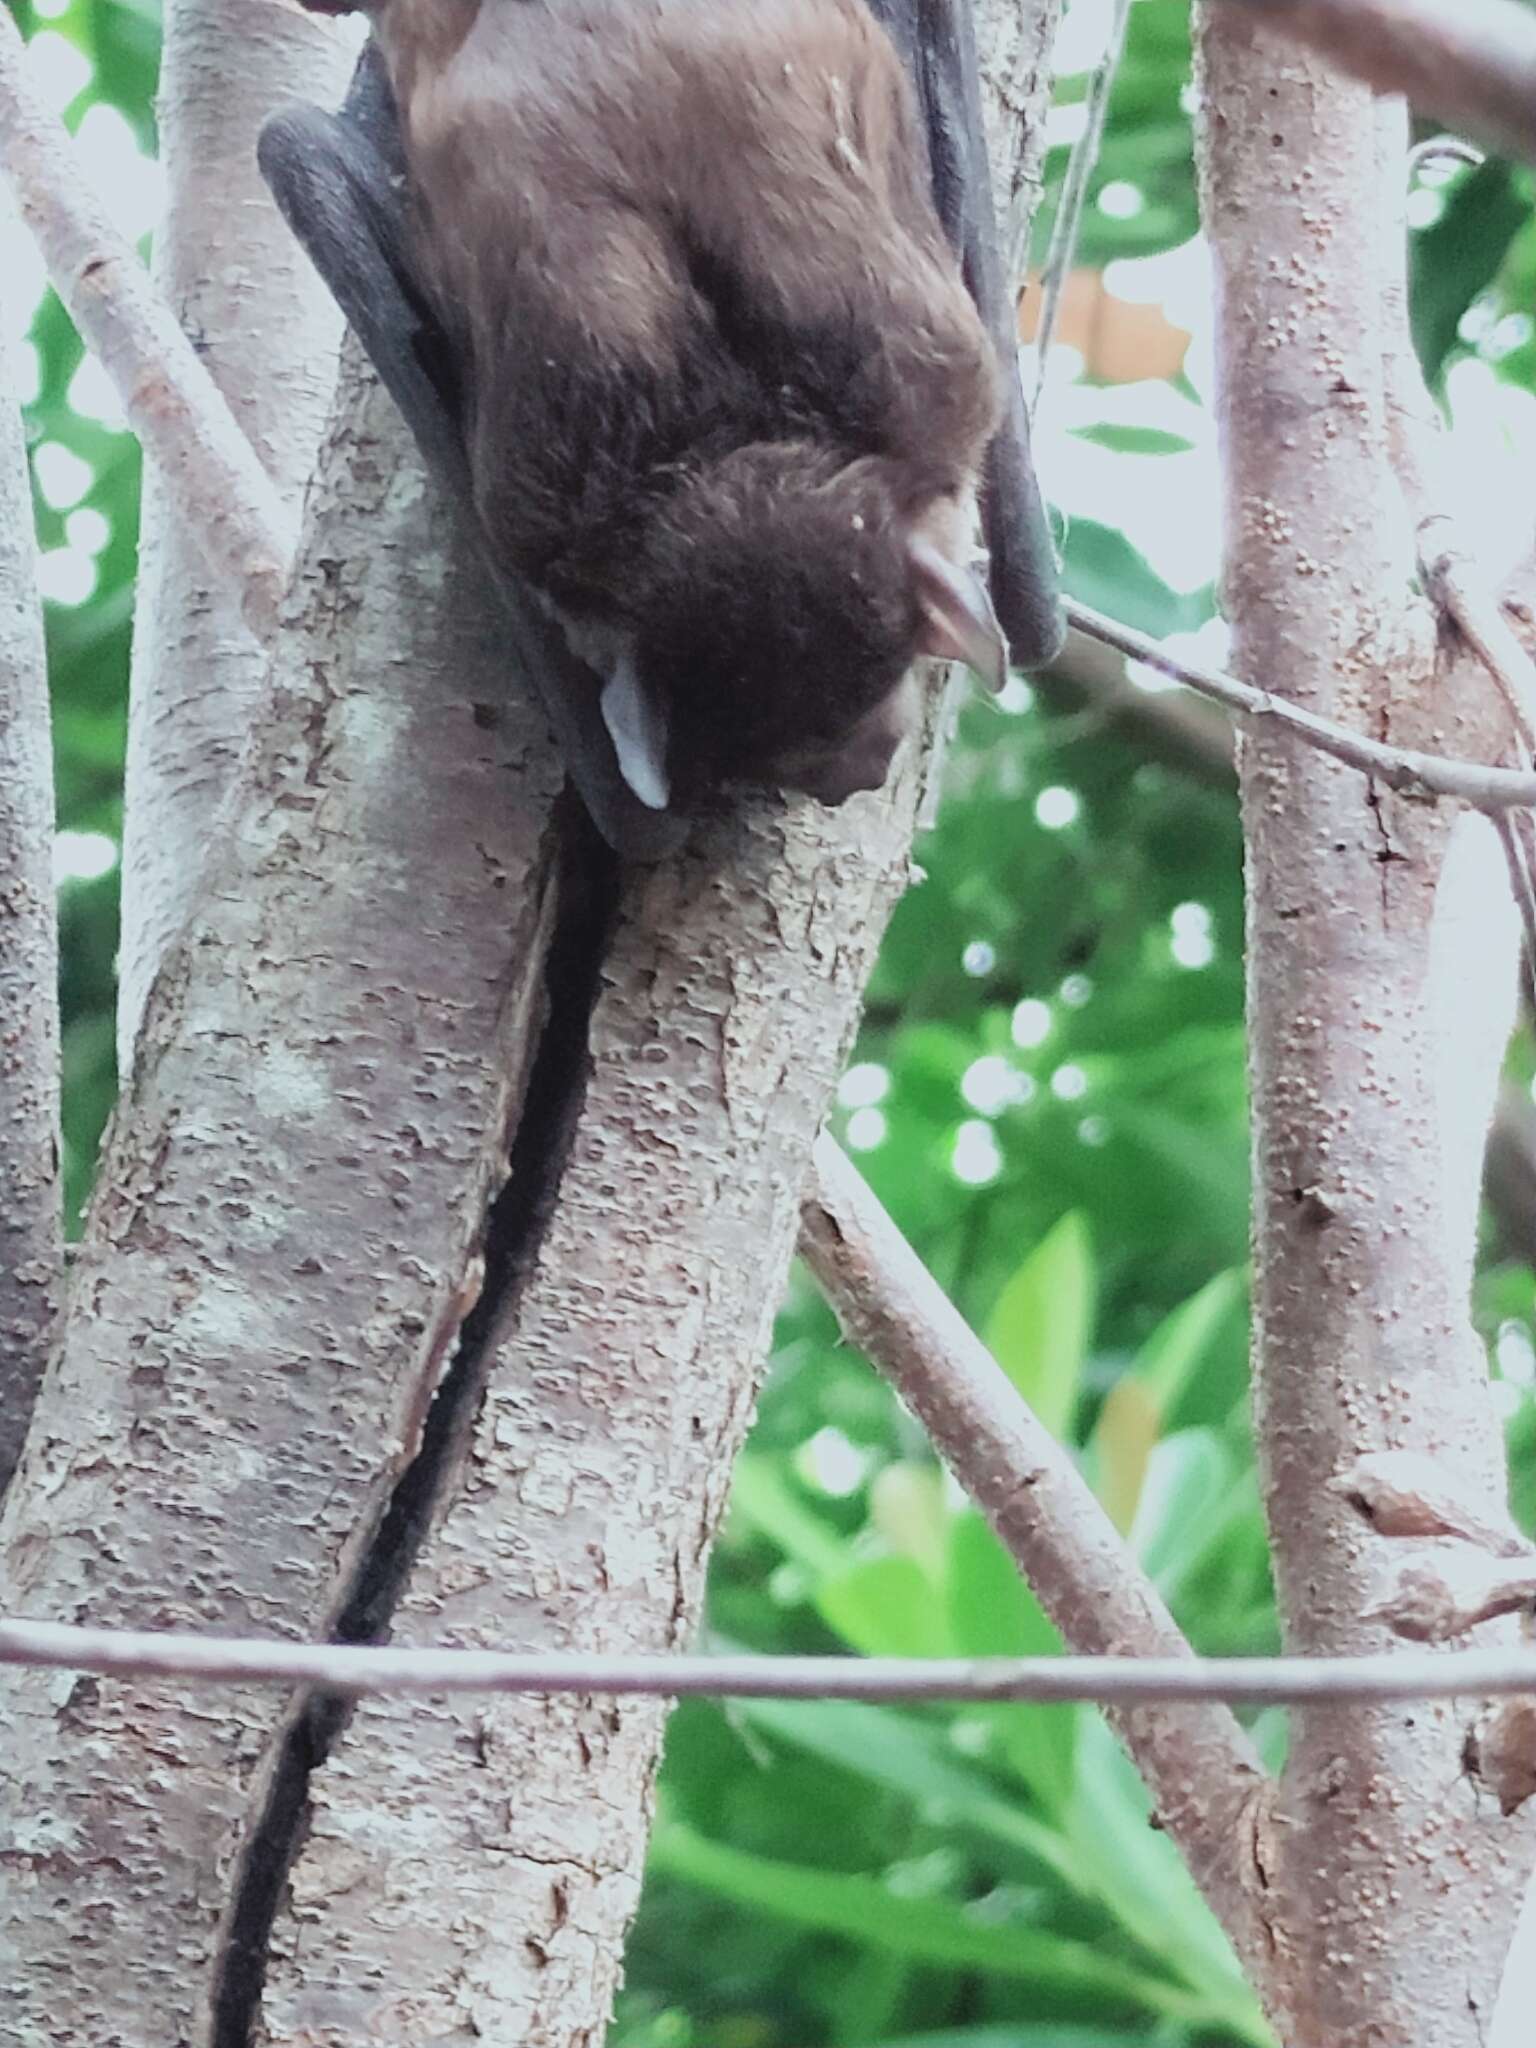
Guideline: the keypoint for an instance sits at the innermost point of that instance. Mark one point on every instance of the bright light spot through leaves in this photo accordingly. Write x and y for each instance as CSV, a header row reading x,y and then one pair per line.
x,y
82,856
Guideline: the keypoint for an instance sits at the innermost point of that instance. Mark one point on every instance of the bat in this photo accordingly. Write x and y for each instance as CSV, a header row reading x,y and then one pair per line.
x,y
696,309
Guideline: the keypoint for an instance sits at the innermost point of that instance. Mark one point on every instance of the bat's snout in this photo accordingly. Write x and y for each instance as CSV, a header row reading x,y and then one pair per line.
x,y
861,760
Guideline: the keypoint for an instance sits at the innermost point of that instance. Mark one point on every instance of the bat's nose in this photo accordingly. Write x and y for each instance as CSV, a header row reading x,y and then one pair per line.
x,y
863,762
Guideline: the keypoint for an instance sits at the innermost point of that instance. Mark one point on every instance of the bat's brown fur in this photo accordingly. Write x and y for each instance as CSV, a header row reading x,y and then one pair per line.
x,y
717,360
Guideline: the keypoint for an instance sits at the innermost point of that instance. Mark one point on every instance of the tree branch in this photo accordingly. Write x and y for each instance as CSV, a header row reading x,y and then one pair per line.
x,y
172,403
1471,62
31,1241
1403,769
1203,1774
267,331
358,1670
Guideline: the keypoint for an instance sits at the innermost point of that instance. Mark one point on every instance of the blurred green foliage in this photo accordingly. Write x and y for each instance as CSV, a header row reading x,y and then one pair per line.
x,y
1049,1094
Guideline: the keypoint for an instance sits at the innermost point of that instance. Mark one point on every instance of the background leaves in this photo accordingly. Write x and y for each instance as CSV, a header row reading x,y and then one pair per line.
x,y
1049,1094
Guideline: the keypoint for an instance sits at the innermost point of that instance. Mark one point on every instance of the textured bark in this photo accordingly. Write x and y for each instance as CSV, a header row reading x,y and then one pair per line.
x,y
268,330
1366,1003
281,1251
31,1244
467,1873
181,417
470,1868
1472,65
1015,43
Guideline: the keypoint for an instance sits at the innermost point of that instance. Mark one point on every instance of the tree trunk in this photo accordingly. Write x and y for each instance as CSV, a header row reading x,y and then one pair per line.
x,y
1365,1179
279,1255
31,1236
242,1431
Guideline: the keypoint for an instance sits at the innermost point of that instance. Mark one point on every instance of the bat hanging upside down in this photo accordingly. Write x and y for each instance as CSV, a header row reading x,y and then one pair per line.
x,y
695,305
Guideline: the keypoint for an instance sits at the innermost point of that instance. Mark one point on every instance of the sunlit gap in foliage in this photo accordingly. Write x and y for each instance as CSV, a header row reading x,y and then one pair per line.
x,y
1192,943
1516,1353
1056,808
1514,1362
131,188
833,1464
865,1084
82,857
976,1158
1082,36
992,1084
1121,200
1031,1024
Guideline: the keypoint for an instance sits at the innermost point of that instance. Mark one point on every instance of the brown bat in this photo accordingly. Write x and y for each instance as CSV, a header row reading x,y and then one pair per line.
x,y
698,354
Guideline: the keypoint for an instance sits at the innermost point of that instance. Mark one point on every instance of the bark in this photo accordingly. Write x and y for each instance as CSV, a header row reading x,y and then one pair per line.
x,y
470,1869
1014,44
268,331
179,415
31,1242
281,1250
1361,987
1473,65
469,1873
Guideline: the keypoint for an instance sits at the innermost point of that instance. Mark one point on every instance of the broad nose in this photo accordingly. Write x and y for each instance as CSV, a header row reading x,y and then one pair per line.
x,y
861,760
834,777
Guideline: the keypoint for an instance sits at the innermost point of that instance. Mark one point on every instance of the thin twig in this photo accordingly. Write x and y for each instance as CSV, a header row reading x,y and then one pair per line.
x,y
1201,1768
1403,769
1438,1597
1451,574
173,405
1471,62
1442,149
358,1669
1074,192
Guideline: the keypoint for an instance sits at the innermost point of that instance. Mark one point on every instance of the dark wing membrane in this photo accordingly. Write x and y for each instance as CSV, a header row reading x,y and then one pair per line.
x,y
937,41
338,180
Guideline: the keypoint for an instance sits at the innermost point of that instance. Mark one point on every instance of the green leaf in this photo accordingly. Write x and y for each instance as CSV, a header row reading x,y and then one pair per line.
x,y
1152,1893
885,1607
1459,257
934,1930
1040,1325
1124,1439
1018,2037
762,1496
913,1759
1190,1479
1170,1373
1126,440
907,1507
1177,1350
993,1613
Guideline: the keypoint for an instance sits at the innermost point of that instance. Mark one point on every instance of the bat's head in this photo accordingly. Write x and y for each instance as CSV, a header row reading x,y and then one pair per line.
x,y
782,597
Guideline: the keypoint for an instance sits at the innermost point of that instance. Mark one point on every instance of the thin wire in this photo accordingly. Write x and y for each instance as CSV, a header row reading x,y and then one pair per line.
x,y
1074,193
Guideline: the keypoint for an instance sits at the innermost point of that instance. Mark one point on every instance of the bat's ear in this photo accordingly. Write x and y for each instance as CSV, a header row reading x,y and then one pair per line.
x,y
959,623
637,726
